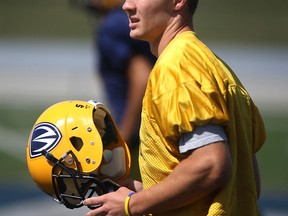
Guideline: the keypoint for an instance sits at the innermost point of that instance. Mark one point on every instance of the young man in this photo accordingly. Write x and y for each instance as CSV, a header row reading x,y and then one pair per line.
x,y
200,129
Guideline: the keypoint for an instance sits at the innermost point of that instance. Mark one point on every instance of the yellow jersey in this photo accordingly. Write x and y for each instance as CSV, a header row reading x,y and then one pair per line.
x,y
190,86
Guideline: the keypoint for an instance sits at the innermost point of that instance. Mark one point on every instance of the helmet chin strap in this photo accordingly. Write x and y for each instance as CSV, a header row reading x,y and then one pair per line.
x,y
71,186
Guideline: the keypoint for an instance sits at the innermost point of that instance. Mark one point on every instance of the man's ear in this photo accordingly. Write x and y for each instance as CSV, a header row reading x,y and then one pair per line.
x,y
179,4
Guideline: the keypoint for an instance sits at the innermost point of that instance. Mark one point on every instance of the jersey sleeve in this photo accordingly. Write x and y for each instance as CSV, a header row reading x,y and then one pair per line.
x,y
187,106
201,136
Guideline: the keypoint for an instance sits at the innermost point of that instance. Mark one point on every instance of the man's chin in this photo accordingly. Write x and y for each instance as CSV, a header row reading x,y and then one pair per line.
x,y
136,35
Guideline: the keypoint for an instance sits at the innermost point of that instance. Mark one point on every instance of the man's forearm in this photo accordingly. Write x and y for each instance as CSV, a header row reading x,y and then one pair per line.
x,y
195,177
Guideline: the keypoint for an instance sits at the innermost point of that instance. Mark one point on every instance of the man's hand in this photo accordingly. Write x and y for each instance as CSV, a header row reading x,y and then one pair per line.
x,y
109,204
132,184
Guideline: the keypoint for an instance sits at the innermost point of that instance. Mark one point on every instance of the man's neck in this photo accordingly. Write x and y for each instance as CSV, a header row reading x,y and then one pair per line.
x,y
157,47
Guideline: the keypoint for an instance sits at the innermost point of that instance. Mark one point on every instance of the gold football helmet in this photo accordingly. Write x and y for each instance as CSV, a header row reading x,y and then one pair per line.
x,y
75,151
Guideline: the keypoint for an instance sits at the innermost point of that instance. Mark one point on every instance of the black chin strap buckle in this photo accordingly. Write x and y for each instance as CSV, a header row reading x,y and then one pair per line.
x,y
49,157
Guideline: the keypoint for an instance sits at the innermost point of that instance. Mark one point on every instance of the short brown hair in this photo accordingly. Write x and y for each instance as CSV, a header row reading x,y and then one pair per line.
x,y
192,5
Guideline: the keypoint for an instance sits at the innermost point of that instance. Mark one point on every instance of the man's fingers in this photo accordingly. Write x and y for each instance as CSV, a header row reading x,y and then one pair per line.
x,y
93,202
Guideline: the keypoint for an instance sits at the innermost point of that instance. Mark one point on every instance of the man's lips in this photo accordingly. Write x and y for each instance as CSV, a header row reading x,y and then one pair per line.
x,y
133,22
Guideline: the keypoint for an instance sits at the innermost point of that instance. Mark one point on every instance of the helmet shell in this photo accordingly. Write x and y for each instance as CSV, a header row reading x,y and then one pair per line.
x,y
65,126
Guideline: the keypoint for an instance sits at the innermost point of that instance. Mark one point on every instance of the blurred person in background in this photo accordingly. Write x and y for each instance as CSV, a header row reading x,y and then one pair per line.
x,y
124,65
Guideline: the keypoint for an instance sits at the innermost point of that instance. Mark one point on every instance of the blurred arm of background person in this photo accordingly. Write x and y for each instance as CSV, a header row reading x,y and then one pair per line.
x,y
137,73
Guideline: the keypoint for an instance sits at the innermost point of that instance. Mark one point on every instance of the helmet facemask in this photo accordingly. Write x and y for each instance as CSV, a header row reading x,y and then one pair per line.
x,y
71,186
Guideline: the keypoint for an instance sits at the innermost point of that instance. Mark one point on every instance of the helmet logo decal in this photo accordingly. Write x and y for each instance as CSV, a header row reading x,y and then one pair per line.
x,y
45,136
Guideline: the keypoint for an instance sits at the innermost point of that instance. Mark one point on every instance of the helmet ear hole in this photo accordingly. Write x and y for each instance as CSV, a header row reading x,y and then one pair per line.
x,y
77,143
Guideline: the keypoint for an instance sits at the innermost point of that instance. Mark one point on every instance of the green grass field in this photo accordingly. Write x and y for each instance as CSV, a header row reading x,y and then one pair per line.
x,y
273,157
